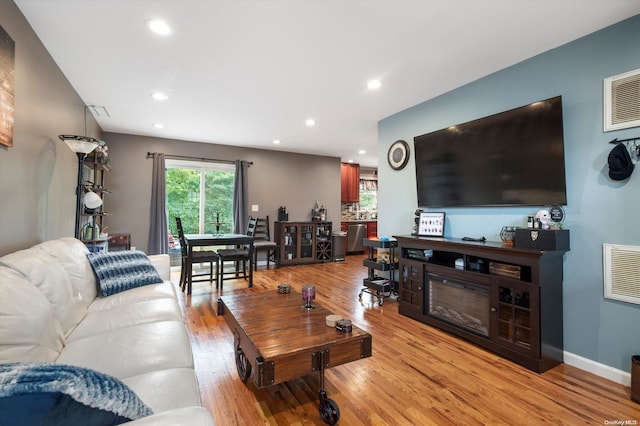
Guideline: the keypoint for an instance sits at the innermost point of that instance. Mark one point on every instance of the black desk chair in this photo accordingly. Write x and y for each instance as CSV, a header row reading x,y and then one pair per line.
x,y
239,256
262,242
199,257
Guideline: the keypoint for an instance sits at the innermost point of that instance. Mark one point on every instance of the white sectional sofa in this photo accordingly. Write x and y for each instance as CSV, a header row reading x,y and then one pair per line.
x,y
51,312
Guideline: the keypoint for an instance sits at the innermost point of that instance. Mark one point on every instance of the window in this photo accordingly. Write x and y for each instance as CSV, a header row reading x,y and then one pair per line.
x,y
200,193
368,194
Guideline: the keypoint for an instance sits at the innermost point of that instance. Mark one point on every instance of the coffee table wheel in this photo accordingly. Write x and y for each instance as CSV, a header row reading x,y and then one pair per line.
x,y
360,296
329,411
380,300
242,365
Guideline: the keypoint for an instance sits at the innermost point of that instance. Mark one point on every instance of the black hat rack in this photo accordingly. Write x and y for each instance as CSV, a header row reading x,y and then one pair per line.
x,y
632,145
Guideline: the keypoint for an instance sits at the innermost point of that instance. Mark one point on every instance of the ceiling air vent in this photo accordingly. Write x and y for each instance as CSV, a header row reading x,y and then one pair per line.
x,y
622,101
622,273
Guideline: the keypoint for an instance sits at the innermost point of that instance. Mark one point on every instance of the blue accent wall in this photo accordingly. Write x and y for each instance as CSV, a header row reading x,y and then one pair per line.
x,y
599,210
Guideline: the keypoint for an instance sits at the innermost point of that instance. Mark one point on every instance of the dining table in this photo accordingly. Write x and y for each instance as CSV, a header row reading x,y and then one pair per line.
x,y
212,240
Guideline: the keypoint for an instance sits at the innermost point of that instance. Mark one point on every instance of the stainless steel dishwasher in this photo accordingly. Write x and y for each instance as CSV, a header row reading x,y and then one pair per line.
x,y
356,232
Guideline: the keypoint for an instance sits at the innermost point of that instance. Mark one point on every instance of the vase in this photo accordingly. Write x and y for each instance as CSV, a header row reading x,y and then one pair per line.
x,y
507,234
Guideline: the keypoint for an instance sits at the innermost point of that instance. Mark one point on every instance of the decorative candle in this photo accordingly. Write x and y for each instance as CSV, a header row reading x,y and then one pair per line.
x,y
308,294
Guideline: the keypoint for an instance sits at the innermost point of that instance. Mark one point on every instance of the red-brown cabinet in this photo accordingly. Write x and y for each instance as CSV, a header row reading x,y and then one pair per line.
x,y
372,229
349,182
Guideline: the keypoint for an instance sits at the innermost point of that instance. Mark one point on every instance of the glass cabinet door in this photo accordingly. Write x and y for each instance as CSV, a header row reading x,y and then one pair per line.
x,y
514,316
291,242
411,285
306,241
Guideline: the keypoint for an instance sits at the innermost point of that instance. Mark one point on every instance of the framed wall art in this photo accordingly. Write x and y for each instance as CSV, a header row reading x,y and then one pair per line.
x,y
7,85
431,224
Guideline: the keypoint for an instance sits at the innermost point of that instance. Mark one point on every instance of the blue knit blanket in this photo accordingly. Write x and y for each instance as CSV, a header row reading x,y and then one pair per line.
x,y
118,271
52,394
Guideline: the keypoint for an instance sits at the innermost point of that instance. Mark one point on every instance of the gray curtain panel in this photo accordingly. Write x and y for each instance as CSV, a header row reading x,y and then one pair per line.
x,y
158,232
240,198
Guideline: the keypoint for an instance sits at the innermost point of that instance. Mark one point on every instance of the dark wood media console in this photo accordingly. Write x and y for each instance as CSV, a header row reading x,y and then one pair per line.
x,y
505,299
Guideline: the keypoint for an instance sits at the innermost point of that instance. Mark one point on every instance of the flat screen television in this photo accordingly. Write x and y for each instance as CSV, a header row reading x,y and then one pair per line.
x,y
513,158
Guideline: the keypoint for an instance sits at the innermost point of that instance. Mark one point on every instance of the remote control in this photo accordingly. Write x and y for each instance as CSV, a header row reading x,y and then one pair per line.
x,y
481,239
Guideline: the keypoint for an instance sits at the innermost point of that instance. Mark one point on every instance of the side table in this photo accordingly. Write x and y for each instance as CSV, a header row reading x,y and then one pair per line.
x,y
119,242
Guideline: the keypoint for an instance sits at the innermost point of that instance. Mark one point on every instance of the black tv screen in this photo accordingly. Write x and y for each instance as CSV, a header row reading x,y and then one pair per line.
x,y
514,158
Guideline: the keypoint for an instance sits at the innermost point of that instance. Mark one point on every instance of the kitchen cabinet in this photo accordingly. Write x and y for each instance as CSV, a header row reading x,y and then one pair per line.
x,y
372,229
349,183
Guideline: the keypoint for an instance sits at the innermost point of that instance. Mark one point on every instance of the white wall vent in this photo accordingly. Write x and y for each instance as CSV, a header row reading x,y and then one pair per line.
x,y
622,101
622,272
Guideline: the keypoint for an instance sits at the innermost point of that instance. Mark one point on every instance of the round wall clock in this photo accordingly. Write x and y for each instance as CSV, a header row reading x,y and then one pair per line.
x,y
398,155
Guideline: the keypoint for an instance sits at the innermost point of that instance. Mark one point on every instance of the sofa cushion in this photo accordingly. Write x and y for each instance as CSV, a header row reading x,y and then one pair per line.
x,y
124,316
168,389
29,328
71,254
191,416
56,394
162,263
165,290
122,270
133,350
52,280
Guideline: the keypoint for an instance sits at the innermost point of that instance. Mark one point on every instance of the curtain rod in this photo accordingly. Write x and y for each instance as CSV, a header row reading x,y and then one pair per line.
x,y
185,157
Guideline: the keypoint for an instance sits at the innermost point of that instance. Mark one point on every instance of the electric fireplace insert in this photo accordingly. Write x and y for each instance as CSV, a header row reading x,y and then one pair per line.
x,y
463,304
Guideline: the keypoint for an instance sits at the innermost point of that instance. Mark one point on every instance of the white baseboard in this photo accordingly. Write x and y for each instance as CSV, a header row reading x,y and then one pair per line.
x,y
613,374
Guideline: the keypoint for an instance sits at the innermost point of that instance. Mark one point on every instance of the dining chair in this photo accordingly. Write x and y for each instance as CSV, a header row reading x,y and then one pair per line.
x,y
262,242
238,255
198,257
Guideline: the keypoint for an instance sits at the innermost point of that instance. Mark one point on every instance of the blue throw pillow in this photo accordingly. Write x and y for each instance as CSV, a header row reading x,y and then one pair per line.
x,y
56,394
118,271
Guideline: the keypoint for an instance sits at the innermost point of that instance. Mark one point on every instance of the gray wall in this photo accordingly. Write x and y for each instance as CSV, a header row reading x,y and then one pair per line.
x,y
599,210
38,174
275,179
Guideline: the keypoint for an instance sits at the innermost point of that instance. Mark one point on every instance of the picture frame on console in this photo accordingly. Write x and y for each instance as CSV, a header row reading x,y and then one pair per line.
x,y
431,224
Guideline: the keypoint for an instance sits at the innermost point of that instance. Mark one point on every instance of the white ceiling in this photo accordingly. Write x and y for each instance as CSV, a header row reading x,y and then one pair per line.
x,y
246,72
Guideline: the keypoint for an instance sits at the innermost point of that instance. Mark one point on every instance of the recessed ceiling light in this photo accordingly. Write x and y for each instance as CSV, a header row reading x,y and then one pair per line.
x,y
310,122
158,125
276,141
159,96
362,151
159,27
374,84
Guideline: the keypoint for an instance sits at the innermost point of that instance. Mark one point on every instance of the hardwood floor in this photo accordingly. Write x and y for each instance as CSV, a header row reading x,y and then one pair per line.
x,y
417,375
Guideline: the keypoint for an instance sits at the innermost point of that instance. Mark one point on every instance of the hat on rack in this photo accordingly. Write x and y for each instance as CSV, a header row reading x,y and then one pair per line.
x,y
620,165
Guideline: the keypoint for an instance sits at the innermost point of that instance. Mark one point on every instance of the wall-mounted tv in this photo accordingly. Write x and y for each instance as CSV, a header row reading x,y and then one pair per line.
x,y
513,158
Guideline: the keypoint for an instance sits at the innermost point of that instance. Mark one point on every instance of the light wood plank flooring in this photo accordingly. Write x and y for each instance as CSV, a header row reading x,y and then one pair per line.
x,y
417,375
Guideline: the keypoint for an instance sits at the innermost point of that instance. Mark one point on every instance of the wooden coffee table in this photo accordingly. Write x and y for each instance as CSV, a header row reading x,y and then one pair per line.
x,y
277,340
